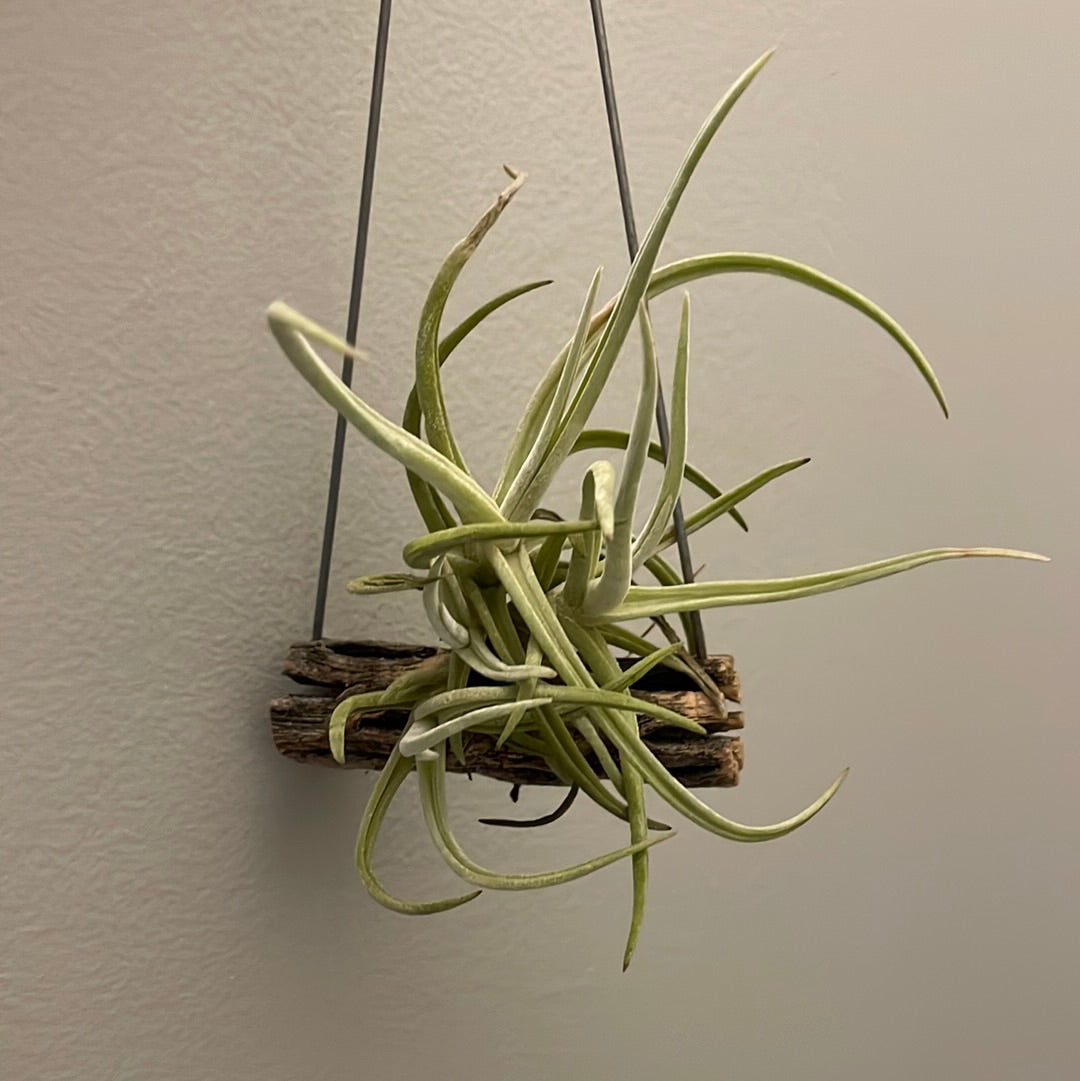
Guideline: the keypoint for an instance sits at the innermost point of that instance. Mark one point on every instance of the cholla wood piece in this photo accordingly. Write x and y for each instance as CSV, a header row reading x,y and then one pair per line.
x,y
299,721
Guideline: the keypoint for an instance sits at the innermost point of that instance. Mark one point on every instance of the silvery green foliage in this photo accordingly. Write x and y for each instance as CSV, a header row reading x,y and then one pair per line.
x,y
535,605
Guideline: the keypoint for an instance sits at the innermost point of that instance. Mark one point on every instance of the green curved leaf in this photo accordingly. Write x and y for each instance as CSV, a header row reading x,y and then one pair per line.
x,y
404,691
293,331
548,420
420,738
431,507
610,588
620,700
670,484
596,502
428,378
703,266
644,601
626,679
471,322
684,801
420,552
433,801
724,504
390,780
613,439
617,326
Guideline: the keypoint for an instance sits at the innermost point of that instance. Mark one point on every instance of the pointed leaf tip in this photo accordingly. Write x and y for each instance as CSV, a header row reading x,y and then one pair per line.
x,y
1006,553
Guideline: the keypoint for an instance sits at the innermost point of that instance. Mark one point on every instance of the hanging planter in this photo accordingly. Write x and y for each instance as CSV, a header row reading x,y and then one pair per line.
x,y
534,609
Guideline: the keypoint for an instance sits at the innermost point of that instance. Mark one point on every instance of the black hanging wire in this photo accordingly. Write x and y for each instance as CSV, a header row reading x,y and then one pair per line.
x,y
359,258
696,631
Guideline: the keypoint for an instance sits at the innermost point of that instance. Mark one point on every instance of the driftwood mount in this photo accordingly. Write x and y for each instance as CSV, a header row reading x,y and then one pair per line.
x,y
329,668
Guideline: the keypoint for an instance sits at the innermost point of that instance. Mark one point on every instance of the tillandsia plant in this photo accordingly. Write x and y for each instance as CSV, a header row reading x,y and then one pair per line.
x,y
535,605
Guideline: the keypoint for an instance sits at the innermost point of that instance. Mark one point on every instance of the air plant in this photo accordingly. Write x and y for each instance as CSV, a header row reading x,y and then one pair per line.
x,y
536,605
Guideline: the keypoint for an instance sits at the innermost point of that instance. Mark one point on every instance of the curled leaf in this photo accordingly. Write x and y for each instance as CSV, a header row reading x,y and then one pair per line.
x,y
387,583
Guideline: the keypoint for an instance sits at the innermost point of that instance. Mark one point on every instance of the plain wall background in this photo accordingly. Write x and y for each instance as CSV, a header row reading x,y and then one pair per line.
x,y
177,901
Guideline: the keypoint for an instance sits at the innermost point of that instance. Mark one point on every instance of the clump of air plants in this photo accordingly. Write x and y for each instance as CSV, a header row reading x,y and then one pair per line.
x,y
535,605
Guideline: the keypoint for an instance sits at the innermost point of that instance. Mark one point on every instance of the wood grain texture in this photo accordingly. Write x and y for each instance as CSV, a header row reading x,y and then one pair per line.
x,y
299,721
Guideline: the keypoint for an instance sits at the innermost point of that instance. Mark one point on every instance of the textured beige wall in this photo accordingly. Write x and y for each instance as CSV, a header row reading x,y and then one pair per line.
x,y
177,902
